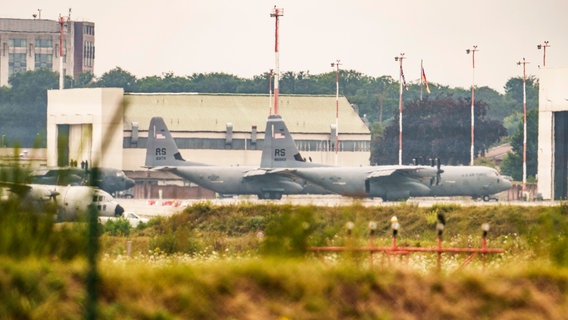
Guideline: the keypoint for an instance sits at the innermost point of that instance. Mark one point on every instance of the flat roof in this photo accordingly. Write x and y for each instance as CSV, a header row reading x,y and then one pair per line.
x,y
211,112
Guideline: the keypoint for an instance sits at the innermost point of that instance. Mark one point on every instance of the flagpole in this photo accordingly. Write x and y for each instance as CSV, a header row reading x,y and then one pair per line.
x,y
401,79
421,80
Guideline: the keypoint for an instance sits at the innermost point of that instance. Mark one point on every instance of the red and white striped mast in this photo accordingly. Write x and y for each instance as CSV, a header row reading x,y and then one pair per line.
x,y
524,63
401,80
276,13
472,151
61,30
336,65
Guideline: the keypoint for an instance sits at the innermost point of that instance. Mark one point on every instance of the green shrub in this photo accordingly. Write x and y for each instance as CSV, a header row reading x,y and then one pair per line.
x,y
117,227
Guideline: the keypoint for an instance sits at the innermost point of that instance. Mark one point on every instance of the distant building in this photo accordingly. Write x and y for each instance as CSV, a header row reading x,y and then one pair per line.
x,y
553,133
32,44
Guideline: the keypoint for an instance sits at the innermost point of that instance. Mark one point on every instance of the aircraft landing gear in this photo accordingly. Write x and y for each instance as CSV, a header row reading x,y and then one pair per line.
x,y
270,195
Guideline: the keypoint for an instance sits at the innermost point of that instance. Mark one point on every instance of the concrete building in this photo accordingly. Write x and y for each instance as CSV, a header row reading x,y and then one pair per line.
x,y
553,133
32,44
110,128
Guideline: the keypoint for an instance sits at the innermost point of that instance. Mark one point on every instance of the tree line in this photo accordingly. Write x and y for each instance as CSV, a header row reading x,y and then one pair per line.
x,y
435,124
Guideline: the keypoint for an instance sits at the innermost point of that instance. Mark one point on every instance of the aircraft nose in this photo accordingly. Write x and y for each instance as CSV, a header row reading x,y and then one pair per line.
x,y
506,182
129,183
118,210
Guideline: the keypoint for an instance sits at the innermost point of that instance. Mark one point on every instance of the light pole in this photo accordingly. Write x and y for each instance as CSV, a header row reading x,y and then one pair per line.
x,y
524,63
61,51
270,92
401,80
543,46
472,51
276,13
336,65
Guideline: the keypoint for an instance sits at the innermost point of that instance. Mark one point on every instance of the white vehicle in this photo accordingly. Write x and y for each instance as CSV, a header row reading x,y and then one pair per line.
x,y
131,217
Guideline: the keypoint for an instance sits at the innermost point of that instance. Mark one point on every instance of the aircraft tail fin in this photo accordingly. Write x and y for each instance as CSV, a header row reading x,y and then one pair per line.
x,y
161,149
279,150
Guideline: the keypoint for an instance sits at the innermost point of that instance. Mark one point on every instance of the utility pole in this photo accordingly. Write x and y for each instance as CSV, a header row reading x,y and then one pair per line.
x,y
472,51
401,80
276,13
524,63
270,92
543,46
61,51
336,65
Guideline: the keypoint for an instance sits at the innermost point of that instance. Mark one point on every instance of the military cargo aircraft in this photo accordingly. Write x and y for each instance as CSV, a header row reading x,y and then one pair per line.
x,y
70,201
108,179
162,154
392,183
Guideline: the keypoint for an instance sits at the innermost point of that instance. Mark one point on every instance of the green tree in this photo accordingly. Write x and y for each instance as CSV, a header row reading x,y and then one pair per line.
x,y
513,162
438,128
84,80
118,78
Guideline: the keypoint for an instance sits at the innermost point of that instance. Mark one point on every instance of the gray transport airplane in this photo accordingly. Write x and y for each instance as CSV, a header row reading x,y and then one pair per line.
x,y
108,179
266,181
392,184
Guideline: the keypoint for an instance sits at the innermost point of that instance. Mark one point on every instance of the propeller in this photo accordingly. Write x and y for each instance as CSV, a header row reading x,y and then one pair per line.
x,y
53,195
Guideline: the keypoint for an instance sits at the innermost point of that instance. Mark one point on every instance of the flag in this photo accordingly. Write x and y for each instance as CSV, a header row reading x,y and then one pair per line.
x,y
424,79
160,136
279,135
403,79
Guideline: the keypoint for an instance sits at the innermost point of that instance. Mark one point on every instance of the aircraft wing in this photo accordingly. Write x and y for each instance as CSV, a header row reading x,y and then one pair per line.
x,y
416,172
17,188
267,172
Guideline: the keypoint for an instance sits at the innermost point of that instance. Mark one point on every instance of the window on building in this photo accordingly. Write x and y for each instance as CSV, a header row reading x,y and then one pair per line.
x,y
43,61
88,53
16,63
17,43
43,43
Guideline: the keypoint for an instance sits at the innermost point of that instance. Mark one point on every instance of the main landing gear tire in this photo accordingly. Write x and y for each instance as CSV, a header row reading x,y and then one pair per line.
x,y
270,195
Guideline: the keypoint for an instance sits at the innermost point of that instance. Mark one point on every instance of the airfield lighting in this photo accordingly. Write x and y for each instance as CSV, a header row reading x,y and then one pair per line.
x,y
472,51
394,226
336,65
349,226
440,228
524,63
372,227
400,80
485,229
543,46
276,13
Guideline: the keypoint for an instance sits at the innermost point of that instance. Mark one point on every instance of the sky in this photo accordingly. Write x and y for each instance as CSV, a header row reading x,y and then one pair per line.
x,y
183,37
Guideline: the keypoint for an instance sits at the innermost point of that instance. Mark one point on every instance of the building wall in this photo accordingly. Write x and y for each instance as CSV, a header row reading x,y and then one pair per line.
x,y
553,97
101,108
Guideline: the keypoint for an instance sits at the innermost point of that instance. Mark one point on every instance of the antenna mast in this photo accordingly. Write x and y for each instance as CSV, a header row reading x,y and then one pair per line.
x,y
276,13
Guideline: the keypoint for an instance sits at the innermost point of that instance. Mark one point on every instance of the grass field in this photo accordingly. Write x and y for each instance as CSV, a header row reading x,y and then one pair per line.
x,y
252,262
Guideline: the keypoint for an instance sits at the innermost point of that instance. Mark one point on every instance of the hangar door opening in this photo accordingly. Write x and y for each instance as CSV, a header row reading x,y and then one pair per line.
x,y
560,155
74,143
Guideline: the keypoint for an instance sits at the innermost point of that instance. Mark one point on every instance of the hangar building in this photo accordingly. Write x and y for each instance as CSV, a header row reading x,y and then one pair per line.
x,y
110,128
553,133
